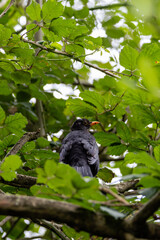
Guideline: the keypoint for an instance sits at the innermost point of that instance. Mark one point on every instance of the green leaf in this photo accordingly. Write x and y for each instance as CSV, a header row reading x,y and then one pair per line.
x,y
145,115
2,115
15,122
21,77
51,9
34,11
141,157
115,32
75,49
151,51
123,131
50,168
128,57
72,234
4,37
105,174
106,139
8,167
37,92
157,153
80,108
149,182
8,66
4,87
42,142
24,54
116,150
28,147
94,99
63,27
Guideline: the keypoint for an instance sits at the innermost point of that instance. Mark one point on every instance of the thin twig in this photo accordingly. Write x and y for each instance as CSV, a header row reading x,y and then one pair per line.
x,y
51,227
109,191
114,107
6,219
7,8
25,138
109,6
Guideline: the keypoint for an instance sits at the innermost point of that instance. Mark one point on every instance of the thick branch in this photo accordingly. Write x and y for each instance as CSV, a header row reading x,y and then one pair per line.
x,y
96,223
147,210
22,181
82,219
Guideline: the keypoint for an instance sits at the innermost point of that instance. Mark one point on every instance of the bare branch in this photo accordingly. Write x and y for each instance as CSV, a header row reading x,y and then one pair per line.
x,y
52,227
6,219
109,191
147,210
7,8
22,181
94,222
110,6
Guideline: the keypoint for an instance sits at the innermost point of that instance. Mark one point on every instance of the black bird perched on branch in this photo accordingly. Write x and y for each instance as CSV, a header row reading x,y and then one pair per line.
x,y
79,148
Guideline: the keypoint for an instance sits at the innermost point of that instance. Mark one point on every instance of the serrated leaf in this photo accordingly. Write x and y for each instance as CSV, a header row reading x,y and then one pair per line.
x,y
116,150
94,98
105,174
151,51
24,54
140,157
128,57
8,66
2,115
123,131
157,153
15,122
51,9
8,167
80,108
106,139
34,11
145,115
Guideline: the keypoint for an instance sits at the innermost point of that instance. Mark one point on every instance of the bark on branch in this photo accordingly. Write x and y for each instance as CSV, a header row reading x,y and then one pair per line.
x,y
81,219
96,223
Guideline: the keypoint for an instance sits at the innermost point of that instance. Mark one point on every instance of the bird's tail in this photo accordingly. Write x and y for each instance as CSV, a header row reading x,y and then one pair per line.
x,y
84,170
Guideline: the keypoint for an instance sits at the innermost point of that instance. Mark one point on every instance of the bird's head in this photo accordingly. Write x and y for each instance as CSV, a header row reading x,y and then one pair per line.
x,y
82,124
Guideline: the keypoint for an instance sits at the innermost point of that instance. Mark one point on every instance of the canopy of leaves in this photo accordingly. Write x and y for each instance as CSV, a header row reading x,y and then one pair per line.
x,y
60,61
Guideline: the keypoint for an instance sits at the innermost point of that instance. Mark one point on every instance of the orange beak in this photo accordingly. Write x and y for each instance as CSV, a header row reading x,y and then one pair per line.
x,y
93,123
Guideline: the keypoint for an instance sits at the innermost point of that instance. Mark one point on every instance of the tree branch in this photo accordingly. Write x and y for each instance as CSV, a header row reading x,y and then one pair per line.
x,y
29,136
106,71
147,210
110,6
22,181
96,223
7,8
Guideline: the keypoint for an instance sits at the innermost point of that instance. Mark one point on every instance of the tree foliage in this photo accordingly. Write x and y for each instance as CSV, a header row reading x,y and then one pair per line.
x,y
60,60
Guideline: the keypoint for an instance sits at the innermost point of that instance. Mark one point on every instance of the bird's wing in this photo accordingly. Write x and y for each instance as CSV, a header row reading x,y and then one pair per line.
x,y
91,151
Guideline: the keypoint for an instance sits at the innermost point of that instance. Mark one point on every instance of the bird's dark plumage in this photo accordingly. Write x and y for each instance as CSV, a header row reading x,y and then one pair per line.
x,y
79,149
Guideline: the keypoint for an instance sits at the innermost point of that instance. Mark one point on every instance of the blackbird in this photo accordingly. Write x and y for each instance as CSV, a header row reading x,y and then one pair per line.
x,y
79,148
